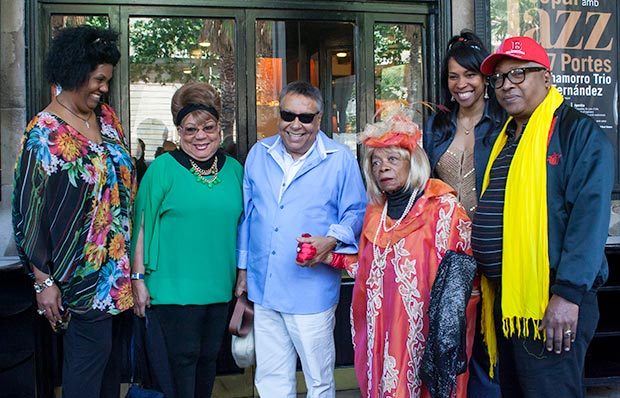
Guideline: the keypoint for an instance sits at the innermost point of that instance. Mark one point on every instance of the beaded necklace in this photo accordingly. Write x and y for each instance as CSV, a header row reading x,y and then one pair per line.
x,y
202,174
379,258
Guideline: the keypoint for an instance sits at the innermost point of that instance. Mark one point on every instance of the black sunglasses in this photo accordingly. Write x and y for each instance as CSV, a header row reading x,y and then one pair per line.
x,y
303,117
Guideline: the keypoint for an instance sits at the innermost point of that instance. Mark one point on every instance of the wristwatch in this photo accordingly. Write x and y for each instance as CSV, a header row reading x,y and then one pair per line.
x,y
136,276
339,244
39,287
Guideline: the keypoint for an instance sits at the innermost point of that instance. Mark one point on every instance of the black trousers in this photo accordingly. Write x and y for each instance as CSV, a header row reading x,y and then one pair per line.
x,y
193,335
92,358
480,384
528,370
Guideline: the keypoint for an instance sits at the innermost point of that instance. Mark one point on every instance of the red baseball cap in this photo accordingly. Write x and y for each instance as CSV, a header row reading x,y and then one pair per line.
x,y
518,47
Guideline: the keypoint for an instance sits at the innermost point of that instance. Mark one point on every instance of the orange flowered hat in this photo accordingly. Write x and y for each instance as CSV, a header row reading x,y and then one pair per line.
x,y
396,129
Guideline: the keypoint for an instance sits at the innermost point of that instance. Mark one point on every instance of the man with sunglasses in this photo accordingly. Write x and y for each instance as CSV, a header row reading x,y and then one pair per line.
x,y
296,183
540,228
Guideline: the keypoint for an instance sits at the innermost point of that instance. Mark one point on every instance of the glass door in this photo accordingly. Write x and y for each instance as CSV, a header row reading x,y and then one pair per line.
x,y
398,65
321,52
186,49
361,59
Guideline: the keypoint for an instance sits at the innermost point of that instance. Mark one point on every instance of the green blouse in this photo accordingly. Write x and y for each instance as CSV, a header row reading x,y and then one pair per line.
x,y
190,232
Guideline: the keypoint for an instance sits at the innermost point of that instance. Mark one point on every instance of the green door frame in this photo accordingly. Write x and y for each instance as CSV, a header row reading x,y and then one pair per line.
x,y
432,14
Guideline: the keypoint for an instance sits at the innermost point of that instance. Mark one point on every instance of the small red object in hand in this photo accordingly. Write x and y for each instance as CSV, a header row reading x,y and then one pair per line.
x,y
305,251
338,261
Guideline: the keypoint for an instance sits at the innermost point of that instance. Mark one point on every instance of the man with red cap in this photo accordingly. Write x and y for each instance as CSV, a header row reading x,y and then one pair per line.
x,y
540,228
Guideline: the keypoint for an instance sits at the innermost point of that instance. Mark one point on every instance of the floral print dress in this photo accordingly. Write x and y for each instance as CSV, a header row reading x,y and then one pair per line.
x,y
72,205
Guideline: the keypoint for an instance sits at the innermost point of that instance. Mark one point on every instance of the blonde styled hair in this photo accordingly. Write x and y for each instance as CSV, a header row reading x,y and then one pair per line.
x,y
419,171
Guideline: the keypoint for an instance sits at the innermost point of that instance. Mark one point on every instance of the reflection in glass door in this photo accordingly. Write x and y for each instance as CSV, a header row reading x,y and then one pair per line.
x,y
58,22
341,107
398,65
319,52
186,49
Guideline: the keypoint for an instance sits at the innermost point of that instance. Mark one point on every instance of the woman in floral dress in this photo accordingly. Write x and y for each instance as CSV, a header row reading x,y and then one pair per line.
x,y
74,187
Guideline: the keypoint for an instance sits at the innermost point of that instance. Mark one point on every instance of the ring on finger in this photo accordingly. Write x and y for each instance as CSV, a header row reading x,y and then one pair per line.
x,y
41,311
568,333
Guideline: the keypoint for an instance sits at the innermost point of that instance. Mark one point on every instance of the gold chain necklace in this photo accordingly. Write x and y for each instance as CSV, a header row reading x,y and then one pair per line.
x,y
460,123
86,121
202,174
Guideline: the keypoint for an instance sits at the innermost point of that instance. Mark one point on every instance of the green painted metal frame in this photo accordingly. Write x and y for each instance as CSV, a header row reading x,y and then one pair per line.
x,y
434,15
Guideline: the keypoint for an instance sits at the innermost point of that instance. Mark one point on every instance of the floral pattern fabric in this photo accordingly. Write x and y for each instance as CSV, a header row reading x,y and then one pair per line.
x,y
72,205
394,275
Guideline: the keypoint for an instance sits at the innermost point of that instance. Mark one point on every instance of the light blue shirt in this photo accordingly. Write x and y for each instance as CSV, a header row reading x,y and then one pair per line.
x,y
326,197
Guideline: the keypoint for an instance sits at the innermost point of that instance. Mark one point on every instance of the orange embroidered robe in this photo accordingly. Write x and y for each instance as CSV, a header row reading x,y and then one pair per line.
x,y
393,281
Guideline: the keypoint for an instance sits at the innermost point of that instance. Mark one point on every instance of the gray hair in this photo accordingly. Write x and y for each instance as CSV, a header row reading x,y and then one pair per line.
x,y
306,89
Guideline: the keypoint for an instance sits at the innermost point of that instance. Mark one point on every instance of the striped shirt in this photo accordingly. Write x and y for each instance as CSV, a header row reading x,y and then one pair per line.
x,y
487,230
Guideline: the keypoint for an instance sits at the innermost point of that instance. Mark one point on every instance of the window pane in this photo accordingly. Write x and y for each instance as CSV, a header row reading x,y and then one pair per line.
x,y
58,22
309,51
398,64
165,53
342,104
270,75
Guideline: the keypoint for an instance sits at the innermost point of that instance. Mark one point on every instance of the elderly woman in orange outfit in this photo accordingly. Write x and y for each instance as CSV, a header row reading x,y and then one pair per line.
x,y
412,224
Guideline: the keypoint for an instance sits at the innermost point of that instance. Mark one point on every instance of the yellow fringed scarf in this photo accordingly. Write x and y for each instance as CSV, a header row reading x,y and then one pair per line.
x,y
525,257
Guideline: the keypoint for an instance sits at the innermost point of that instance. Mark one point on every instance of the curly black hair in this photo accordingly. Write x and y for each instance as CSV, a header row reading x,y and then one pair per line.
x,y
77,51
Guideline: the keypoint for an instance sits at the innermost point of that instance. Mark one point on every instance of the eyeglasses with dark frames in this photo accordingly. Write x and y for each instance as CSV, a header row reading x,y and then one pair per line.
x,y
516,76
303,117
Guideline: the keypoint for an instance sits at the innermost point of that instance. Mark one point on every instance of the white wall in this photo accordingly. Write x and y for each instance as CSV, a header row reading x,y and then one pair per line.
x,y
462,15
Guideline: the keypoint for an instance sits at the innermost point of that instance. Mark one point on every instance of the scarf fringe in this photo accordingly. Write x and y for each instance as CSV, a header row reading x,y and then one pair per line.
x,y
521,326
487,328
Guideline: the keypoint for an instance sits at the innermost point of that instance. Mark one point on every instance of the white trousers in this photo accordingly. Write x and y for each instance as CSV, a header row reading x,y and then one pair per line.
x,y
279,338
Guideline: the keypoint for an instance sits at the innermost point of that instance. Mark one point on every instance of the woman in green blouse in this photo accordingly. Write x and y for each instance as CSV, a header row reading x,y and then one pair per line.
x,y
184,265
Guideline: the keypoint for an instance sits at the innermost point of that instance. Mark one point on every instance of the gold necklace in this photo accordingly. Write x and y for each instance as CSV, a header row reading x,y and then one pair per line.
x,y
86,121
202,174
461,124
